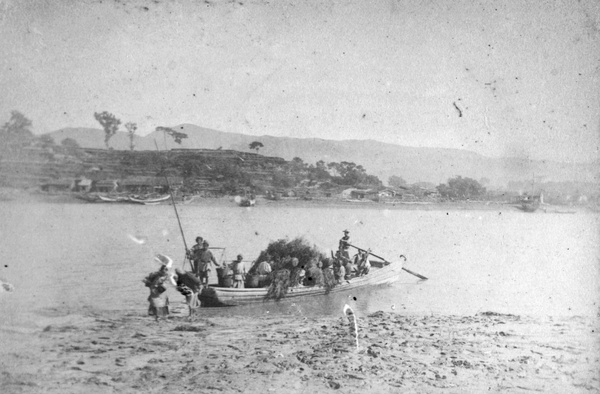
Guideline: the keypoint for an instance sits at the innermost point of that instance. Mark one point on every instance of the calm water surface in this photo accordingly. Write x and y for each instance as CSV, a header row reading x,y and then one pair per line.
x,y
78,256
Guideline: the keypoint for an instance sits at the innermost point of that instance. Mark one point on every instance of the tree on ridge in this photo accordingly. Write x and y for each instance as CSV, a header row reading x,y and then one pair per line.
x,y
109,123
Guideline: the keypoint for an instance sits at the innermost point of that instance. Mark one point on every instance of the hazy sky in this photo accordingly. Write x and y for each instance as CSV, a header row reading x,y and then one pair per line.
x,y
524,75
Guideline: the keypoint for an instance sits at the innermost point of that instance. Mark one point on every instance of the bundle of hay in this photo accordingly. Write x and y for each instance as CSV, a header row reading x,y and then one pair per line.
x,y
282,251
280,283
287,259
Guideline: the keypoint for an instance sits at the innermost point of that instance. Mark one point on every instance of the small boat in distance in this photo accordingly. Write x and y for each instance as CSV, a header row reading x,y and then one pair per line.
x,y
149,200
248,200
113,198
134,199
530,203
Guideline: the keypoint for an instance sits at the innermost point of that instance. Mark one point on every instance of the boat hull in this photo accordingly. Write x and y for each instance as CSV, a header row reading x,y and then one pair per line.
x,y
149,201
134,200
221,296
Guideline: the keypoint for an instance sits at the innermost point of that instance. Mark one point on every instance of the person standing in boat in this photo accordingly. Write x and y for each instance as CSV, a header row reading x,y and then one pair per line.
x,y
264,268
193,254
263,271
364,265
344,245
340,271
203,263
239,272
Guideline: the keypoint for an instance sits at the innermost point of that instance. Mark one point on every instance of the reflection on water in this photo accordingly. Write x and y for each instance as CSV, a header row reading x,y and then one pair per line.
x,y
76,256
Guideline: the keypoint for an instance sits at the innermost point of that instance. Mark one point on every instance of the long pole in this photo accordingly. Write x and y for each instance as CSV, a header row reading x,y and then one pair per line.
x,y
379,257
174,206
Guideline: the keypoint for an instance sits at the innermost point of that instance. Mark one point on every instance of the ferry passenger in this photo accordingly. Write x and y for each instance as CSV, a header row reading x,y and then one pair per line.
x,y
349,269
159,302
301,275
226,275
203,265
314,275
364,265
193,254
340,272
297,273
239,272
264,268
189,286
329,279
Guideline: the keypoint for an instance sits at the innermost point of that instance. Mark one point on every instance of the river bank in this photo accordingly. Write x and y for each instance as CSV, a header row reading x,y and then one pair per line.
x,y
24,196
128,352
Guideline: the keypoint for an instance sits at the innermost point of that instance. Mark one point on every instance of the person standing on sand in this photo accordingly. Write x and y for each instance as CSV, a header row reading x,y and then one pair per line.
x,y
203,266
239,272
189,286
159,302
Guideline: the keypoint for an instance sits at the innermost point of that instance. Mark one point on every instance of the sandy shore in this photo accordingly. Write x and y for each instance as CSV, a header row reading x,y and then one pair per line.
x,y
129,352
13,195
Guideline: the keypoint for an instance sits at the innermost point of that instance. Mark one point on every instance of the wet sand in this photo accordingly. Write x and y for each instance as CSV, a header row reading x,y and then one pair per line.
x,y
129,352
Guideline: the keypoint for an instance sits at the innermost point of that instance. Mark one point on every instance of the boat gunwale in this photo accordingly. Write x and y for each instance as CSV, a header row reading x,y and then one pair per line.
x,y
227,296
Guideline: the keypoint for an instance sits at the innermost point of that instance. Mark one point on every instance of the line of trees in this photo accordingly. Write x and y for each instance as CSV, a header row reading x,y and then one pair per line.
x,y
459,188
344,173
110,124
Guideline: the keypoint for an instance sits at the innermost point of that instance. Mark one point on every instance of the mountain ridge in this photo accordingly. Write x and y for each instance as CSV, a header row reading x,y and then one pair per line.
x,y
414,164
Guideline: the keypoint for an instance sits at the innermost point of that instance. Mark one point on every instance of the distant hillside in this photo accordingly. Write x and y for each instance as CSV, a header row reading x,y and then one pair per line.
x,y
413,164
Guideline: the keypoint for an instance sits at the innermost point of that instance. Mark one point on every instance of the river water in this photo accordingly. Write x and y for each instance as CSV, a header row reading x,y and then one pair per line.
x,y
73,257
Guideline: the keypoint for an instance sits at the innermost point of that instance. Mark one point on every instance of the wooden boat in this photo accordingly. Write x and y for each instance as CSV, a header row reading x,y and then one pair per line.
x,y
246,202
87,197
149,201
530,203
380,274
134,199
113,198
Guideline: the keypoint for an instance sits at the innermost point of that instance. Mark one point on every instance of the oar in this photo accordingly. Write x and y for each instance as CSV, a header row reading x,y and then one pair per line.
x,y
176,213
379,257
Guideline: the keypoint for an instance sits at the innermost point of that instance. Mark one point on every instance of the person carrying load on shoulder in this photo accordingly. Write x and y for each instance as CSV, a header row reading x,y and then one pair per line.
x,y
202,267
156,282
189,286
239,272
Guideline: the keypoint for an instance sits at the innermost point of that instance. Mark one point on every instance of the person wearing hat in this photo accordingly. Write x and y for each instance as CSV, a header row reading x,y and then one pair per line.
x,y
193,254
202,266
239,272
344,245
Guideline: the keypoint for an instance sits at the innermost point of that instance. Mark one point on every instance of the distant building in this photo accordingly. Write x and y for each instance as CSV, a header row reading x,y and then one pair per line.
x,y
359,194
147,184
59,185
387,193
82,185
105,186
